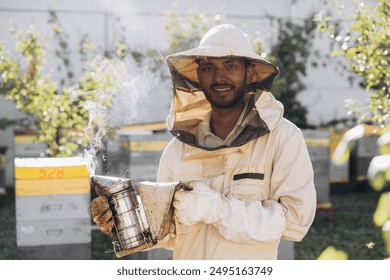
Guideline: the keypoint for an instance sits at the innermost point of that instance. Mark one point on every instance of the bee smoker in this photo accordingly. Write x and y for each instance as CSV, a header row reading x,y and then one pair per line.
x,y
142,213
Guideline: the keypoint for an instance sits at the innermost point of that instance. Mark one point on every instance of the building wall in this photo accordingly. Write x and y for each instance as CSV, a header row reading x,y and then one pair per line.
x,y
144,21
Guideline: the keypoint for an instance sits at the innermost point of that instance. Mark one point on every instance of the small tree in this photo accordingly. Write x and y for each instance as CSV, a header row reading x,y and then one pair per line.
x,y
37,95
59,114
290,54
365,46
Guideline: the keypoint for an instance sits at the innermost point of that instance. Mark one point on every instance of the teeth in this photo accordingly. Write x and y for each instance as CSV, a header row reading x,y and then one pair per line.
x,y
222,89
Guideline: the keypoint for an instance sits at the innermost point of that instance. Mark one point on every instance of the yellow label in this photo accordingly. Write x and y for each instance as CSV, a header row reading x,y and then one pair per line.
x,y
28,138
324,205
51,173
2,160
151,126
144,146
372,130
317,142
52,187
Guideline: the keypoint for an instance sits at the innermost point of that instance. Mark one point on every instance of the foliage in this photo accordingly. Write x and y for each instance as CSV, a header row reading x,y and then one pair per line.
x,y
365,46
379,171
331,253
63,52
38,95
59,115
290,54
185,33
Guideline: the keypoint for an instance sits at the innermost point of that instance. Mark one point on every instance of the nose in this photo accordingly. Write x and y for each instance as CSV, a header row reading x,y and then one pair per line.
x,y
220,75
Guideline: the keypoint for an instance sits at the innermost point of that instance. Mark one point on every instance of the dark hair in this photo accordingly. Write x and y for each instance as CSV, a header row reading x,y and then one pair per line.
x,y
245,60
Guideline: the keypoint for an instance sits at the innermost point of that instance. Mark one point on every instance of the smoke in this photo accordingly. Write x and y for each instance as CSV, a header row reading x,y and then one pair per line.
x,y
117,93
129,99
117,99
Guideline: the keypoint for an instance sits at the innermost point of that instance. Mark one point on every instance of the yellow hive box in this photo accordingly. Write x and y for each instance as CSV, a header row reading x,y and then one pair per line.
x,y
48,176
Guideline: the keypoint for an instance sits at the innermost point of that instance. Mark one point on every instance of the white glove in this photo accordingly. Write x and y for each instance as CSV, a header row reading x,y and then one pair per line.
x,y
196,203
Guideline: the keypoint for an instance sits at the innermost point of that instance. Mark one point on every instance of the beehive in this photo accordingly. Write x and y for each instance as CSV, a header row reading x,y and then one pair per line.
x,y
52,199
317,142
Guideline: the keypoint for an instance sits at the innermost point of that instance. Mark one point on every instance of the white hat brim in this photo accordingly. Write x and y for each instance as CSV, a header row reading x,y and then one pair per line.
x,y
185,62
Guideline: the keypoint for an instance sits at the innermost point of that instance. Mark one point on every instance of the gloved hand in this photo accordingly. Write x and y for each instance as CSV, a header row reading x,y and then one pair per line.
x,y
195,203
101,214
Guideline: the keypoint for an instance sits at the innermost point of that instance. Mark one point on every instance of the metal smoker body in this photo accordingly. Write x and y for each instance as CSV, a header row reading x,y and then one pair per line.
x,y
141,215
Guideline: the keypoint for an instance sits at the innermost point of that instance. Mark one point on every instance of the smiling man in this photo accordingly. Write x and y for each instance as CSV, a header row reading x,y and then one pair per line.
x,y
247,171
248,168
223,81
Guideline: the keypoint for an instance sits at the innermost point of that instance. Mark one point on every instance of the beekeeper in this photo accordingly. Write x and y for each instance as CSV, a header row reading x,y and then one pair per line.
x,y
247,169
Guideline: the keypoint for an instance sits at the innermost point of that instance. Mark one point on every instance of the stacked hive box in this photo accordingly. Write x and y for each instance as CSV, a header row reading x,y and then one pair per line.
x,y
27,144
317,142
339,172
3,149
362,151
145,153
365,150
52,199
136,154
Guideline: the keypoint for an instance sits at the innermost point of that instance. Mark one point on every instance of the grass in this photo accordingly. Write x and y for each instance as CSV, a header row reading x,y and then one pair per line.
x,y
7,227
351,230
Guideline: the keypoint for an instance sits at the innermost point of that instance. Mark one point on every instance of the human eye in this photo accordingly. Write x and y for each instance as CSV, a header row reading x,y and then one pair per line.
x,y
231,66
206,68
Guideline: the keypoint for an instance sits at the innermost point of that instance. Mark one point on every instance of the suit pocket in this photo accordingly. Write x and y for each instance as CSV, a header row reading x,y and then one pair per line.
x,y
249,188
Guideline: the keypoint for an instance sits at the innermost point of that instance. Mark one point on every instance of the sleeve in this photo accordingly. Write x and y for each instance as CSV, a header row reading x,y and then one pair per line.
x,y
250,221
291,208
164,174
292,185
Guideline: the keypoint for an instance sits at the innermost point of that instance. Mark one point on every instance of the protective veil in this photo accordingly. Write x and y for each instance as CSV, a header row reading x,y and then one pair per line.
x,y
262,184
189,106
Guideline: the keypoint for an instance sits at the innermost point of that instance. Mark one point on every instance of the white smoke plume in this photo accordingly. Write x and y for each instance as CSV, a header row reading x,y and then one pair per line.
x,y
124,85
118,101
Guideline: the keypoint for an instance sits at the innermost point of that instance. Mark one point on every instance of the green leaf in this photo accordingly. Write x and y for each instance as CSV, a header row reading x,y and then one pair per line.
x,y
386,236
382,212
331,253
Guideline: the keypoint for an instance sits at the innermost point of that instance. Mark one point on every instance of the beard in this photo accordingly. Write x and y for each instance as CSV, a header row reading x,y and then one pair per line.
x,y
227,101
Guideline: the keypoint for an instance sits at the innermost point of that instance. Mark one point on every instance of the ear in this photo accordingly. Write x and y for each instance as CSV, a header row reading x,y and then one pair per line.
x,y
250,71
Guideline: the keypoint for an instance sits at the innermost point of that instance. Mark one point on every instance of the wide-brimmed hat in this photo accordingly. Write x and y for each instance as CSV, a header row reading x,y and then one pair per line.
x,y
224,40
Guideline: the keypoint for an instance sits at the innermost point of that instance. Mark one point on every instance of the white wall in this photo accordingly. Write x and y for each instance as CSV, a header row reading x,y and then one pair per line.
x,y
144,21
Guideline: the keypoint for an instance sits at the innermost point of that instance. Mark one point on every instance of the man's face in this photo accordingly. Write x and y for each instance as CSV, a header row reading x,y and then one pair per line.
x,y
224,80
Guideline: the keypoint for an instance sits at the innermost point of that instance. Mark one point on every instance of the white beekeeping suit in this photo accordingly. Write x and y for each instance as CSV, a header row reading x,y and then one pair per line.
x,y
258,186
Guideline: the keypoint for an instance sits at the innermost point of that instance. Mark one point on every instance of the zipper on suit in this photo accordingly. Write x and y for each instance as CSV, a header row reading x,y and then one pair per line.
x,y
206,231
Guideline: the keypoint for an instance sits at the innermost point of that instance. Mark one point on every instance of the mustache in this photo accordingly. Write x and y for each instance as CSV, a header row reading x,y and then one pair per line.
x,y
222,85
